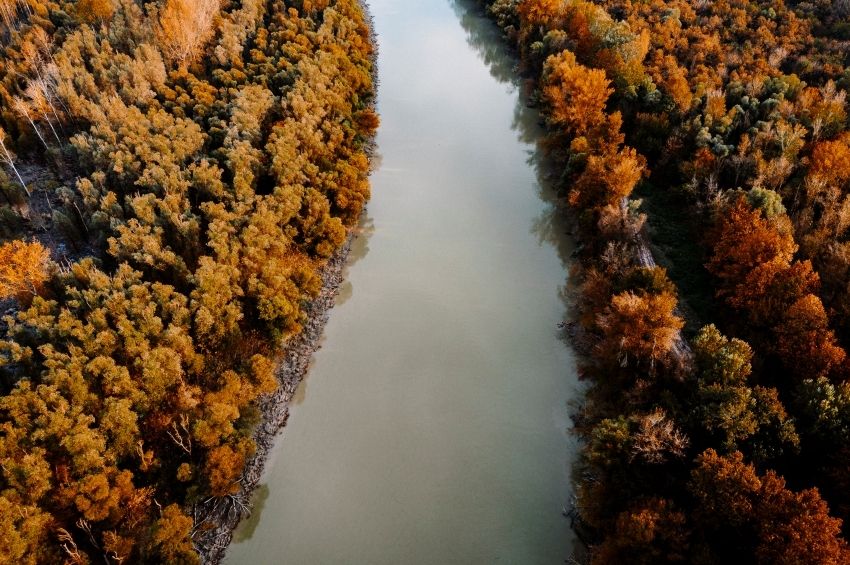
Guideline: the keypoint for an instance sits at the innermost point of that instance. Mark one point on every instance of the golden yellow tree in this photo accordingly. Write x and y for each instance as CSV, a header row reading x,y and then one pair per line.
x,y
23,268
607,178
830,161
92,11
539,12
185,26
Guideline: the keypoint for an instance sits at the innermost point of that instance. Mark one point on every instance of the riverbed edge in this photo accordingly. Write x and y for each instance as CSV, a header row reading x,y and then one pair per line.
x,y
216,519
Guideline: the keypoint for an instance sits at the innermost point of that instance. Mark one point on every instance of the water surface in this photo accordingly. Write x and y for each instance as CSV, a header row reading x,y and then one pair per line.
x,y
433,426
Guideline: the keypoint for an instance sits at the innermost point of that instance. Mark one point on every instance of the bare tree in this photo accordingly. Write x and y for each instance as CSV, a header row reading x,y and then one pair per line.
x,y
9,159
38,94
658,438
10,10
23,108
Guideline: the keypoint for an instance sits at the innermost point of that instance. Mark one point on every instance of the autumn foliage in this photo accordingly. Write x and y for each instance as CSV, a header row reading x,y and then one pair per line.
x,y
753,261
731,119
185,26
576,95
639,327
209,158
23,269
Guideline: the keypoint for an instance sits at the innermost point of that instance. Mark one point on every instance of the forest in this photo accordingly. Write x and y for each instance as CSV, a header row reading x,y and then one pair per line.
x,y
716,428
175,175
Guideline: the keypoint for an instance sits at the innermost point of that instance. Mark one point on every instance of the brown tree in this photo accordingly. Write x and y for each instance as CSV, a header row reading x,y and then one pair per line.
x,y
639,329
575,95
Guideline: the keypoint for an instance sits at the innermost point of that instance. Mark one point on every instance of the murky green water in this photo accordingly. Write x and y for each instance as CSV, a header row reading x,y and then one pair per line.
x,y
433,426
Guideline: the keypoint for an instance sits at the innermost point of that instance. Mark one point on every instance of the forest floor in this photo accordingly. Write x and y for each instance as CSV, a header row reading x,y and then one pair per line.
x,y
674,237
35,215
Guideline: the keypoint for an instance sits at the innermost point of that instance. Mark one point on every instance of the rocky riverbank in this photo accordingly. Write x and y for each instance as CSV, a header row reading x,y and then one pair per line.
x,y
217,518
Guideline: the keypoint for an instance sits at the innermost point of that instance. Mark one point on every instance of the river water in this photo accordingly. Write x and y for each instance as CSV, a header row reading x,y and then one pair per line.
x,y
433,427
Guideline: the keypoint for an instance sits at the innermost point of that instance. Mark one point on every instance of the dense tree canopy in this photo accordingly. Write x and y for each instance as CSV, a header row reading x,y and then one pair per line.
x,y
731,118
196,164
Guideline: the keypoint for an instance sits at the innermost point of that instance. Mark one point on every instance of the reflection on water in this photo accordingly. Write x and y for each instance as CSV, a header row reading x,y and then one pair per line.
x,y
360,245
551,226
249,525
359,250
486,40
346,291
300,392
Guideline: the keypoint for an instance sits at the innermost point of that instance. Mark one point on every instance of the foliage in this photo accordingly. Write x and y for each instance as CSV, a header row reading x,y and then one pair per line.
x,y
218,157
23,269
737,115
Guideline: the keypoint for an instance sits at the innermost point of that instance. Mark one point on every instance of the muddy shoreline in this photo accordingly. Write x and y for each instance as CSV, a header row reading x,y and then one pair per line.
x,y
216,519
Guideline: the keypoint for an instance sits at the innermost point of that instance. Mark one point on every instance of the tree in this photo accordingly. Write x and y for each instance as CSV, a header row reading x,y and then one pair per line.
x,y
721,360
824,409
735,416
26,534
830,161
215,181
607,178
171,538
652,531
9,159
9,12
184,28
92,11
23,269
575,95
748,252
805,336
725,489
224,467
639,329
674,82
795,527
538,12
791,527
657,438
766,200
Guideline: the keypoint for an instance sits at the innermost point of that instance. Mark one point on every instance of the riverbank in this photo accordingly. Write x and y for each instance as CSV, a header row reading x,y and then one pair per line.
x,y
216,519
430,428
654,452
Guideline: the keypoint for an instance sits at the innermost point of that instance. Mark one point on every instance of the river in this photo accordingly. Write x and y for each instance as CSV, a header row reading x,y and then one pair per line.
x,y
433,427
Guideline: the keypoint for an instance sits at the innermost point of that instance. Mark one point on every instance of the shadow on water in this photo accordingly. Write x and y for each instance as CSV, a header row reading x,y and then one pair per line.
x,y
551,227
301,390
486,39
359,249
247,527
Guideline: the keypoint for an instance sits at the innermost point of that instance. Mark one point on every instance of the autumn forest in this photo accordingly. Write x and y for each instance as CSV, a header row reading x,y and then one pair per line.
x,y
176,175
715,429
180,179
